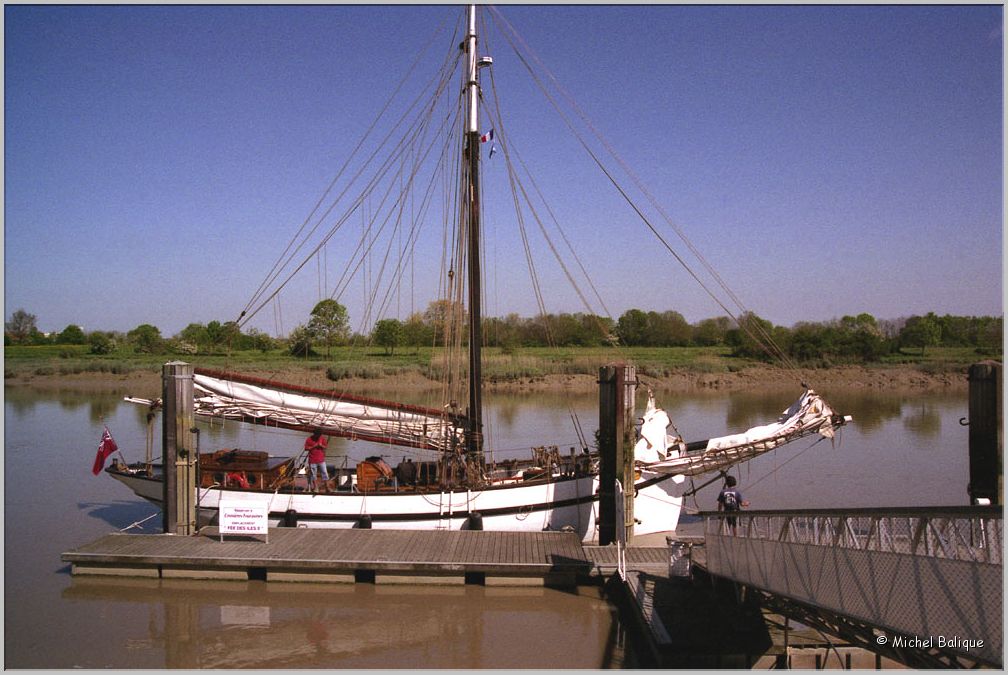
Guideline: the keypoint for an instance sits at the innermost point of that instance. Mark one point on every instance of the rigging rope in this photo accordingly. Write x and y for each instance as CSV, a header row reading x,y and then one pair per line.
x,y
397,209
402,166
404,135
514,181
279,264
752,328
288,256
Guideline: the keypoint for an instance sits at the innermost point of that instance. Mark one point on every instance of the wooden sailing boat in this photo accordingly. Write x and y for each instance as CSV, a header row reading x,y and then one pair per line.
x,y
461,489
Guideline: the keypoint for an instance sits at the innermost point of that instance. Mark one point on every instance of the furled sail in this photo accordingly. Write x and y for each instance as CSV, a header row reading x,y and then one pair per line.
x,y
810,414
653,443
258,401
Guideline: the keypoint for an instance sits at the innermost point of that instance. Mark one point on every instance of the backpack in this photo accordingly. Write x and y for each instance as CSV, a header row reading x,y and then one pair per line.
x,y
731,500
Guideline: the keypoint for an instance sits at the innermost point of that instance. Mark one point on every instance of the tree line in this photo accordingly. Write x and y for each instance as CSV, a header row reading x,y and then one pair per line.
x,y
850,339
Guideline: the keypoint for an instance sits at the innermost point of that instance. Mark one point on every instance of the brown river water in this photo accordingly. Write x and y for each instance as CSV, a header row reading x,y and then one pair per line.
x,y
901,450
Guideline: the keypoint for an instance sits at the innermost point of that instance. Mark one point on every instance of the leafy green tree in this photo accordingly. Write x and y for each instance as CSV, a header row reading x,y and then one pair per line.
x,y
441,316
179,346
500,332
231,335
299,343
632,328
535,332
920,331
329,323
670,329
955,330
216,335
195,334
146,339
416,333
749,338
566,330
782,338
988,334
597,330
101,343
388,333
21,327
72,335
711,332
258,340
862,337
807,341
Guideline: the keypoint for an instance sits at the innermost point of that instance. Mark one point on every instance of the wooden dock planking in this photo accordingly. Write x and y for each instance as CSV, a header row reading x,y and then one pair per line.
x,y
390,552
651,559
453,555
466,555
411,546
483,545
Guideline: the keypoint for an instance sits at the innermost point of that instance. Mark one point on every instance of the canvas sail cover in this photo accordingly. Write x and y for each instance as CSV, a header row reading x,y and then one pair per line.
x,y
653,443
353,417
810,414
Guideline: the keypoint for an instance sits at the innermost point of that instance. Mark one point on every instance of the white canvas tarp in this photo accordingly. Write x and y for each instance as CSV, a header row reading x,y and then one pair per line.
x,y
653,442
259,404
810,414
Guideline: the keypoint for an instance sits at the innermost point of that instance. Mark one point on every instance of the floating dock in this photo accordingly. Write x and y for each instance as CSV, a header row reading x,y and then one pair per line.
x,y
357,555
686,614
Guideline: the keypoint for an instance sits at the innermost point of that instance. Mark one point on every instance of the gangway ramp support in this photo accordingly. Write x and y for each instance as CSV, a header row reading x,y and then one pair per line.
x,y
922,585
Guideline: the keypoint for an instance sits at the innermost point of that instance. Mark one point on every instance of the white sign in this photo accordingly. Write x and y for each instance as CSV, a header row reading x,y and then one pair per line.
x,y
243,518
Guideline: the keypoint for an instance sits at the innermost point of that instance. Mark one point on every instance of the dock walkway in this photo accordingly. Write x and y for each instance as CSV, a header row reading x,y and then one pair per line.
x,y
651,559
344,555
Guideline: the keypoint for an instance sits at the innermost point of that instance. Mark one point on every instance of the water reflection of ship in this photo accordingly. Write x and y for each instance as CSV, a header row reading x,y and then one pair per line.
x,y
205,624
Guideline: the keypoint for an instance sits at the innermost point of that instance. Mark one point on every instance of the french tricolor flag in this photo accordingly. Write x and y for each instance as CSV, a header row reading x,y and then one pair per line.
x,y
487,136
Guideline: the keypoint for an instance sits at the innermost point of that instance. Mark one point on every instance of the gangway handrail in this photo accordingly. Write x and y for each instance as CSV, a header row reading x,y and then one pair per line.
x,y
971,533
990,511
923,579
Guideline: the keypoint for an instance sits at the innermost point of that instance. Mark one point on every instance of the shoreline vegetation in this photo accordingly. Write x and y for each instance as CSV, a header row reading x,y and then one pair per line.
x,y
358,370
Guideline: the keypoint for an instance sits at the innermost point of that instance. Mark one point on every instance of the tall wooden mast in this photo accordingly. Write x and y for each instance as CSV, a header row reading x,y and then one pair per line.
x,y
474,436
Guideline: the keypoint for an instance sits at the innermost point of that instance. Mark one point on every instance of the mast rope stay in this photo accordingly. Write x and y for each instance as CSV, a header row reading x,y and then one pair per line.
x,y
752,328
395,131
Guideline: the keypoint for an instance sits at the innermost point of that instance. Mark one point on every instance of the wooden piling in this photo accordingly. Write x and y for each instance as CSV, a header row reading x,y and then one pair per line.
x,y
179,454
986,438
617,393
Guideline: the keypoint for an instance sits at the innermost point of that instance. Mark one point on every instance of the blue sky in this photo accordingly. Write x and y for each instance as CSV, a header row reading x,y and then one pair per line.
x,y
825,160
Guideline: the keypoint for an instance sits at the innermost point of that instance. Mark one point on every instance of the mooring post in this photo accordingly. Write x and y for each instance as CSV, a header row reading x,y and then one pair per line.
x,y
986,439
607,455
179,454
617,394
625,452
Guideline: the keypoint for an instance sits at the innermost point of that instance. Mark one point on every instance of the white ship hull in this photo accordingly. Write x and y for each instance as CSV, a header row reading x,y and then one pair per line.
x,y
566,504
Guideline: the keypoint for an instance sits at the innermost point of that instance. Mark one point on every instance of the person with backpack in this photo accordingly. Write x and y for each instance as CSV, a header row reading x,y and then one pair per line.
x,y
730,499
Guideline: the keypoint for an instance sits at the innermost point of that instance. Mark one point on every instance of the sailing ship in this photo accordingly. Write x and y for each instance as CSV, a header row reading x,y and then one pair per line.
x,y
461,487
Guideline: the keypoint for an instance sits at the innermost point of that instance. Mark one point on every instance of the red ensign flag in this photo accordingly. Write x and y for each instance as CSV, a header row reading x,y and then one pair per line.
x,y
105,448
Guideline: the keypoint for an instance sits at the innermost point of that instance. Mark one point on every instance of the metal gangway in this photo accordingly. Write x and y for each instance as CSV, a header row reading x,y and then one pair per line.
x,y
921,585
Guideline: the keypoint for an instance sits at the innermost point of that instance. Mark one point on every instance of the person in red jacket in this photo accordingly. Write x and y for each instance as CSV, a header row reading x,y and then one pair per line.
x,y
316,446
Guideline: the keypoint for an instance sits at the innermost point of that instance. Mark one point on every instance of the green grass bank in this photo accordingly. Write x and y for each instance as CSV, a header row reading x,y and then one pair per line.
x,y
357,368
